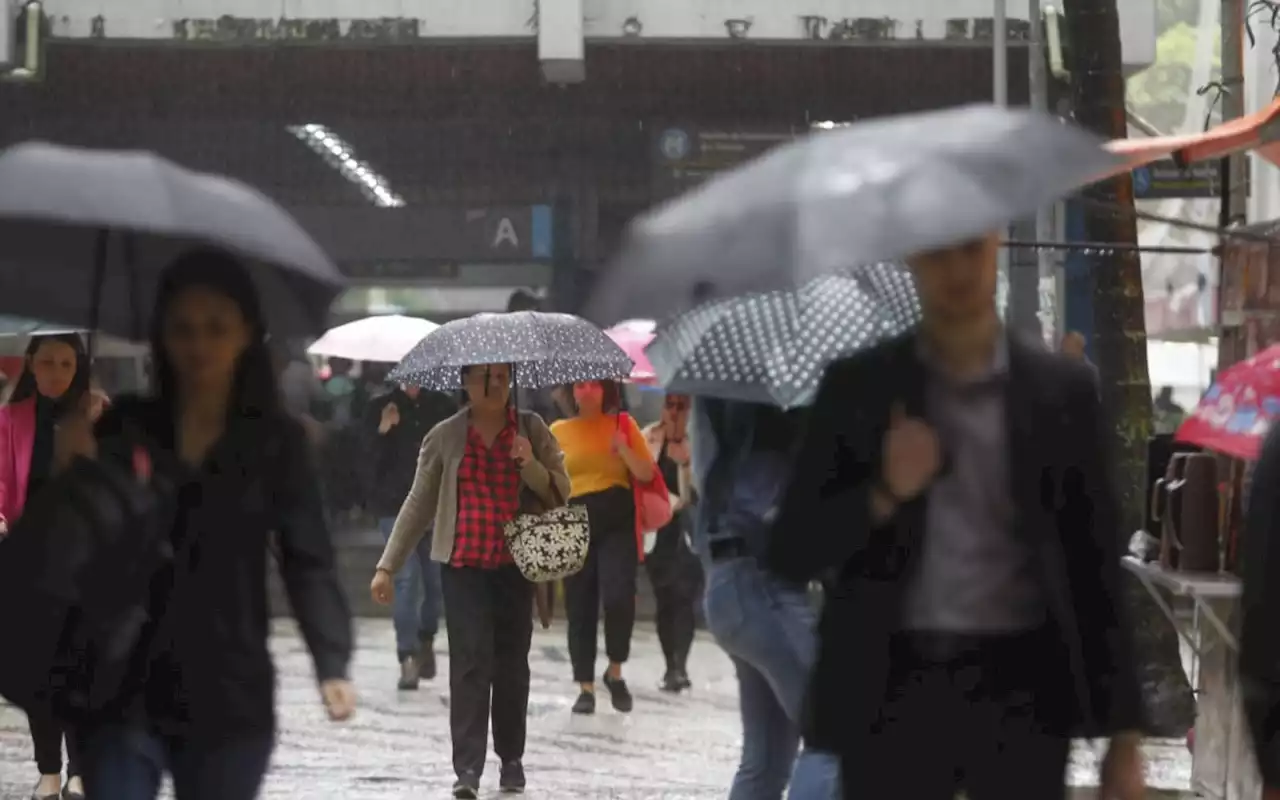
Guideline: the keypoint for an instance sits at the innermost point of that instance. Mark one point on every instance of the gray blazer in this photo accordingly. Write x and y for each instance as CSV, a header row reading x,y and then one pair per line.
x,y
432,502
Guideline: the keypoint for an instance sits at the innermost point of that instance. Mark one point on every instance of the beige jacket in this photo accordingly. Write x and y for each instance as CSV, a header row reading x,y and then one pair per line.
x,y
655,438
433,499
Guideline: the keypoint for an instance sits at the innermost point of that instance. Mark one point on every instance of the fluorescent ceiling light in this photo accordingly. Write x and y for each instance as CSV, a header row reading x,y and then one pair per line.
x,y
339,155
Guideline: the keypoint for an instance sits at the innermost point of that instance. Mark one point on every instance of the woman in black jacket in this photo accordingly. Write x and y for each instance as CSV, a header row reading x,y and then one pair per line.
x,y
243,469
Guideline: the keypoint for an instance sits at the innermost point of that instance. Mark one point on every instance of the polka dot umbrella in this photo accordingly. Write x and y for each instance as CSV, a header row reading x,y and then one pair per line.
x,y
772,347
546,350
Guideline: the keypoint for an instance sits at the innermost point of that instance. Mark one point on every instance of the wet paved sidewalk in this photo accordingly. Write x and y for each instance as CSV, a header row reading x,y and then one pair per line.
x,y
398,745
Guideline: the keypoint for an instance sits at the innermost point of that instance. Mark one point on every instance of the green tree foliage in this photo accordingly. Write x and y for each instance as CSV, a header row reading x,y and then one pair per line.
x,y
1159,93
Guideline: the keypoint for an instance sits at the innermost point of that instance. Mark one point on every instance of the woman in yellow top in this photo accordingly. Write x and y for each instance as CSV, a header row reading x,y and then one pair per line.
x,y
604,452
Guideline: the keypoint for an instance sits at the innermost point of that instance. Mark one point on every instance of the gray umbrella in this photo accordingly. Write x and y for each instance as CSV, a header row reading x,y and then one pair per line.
x,y
772,347
86,234
546,350
874,191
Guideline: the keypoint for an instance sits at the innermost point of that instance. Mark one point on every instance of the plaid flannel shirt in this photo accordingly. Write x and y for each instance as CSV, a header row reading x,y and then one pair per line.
x,y
488,498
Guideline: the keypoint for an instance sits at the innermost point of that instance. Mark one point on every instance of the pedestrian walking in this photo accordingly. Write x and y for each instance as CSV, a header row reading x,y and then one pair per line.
x,y
1259,653
399,422
217,430
674,571
742,457
476,471
605,454
974,622
55,382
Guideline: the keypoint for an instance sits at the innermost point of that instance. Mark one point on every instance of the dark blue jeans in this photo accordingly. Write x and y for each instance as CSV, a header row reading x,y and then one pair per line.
x,y
129,764
767,629
416,607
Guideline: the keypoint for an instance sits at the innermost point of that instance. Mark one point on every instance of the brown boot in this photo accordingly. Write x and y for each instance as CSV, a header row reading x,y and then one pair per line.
x,y
410,674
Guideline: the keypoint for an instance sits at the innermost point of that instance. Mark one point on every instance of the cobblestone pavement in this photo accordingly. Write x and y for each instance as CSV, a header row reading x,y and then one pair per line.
x,y
398,745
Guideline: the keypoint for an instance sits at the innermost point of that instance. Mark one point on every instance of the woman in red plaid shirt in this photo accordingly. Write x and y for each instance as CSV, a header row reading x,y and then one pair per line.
x,y
476,471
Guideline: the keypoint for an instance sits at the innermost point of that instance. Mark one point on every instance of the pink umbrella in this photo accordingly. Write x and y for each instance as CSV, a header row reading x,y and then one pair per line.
x,y
633,336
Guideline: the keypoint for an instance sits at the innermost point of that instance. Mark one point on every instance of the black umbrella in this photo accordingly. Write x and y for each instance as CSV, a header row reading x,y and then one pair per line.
x,y
874,191
772,347
546,350
86,233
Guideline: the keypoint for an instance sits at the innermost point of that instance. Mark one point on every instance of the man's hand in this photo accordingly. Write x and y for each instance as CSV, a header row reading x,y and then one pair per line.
x,y
339,698
912,456
1121,776
521,451
390,418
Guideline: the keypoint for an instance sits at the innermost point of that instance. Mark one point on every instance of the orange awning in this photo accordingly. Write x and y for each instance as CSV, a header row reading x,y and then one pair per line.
x,y
1258,132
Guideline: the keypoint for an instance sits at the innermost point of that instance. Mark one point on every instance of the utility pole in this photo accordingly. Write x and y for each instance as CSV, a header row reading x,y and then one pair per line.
x,y
1120,341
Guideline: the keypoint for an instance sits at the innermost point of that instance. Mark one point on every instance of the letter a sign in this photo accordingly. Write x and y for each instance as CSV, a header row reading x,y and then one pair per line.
x,y
506,234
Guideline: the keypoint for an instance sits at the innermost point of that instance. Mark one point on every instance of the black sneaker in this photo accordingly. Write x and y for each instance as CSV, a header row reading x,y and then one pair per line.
x,y
682,678
467,786
409,674
427,660
618,693
585,704
670,682
511,780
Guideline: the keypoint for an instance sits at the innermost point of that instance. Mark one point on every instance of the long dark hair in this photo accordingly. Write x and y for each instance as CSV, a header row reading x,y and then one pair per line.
x,y
25,388
255,392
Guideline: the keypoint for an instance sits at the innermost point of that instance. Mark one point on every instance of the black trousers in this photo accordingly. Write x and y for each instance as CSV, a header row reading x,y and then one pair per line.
x,y
969,714
676,577
489,618
608,578
47,735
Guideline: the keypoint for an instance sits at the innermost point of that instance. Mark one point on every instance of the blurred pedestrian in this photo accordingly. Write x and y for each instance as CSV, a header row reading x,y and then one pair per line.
x,y
53,384
244,469
398,423
742,458
1167,415
476,471
1259,661
1075,347
674,571
604,453
954,487
552,403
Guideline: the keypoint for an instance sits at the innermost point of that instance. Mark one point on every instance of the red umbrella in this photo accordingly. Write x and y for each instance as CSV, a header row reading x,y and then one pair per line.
x,y
1234,415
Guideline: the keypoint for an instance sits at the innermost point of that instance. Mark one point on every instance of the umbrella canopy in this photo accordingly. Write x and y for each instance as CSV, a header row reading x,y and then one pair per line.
x,y
71,219
1235,414
546,350
633,339
16,333
384,339
773,347
874,191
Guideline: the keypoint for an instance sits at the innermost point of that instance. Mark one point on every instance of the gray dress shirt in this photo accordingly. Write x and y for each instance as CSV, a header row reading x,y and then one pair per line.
x,y
975,575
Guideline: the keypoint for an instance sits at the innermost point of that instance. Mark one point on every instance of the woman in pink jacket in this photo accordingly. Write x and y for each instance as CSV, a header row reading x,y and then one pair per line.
x,y
55,377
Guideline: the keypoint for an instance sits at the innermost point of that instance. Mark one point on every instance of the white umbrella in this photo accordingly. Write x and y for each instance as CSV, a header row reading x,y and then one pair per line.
x,y
16,333
386,338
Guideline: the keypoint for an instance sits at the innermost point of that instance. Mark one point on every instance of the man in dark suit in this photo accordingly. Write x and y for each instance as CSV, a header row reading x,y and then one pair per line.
x,y
952,489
